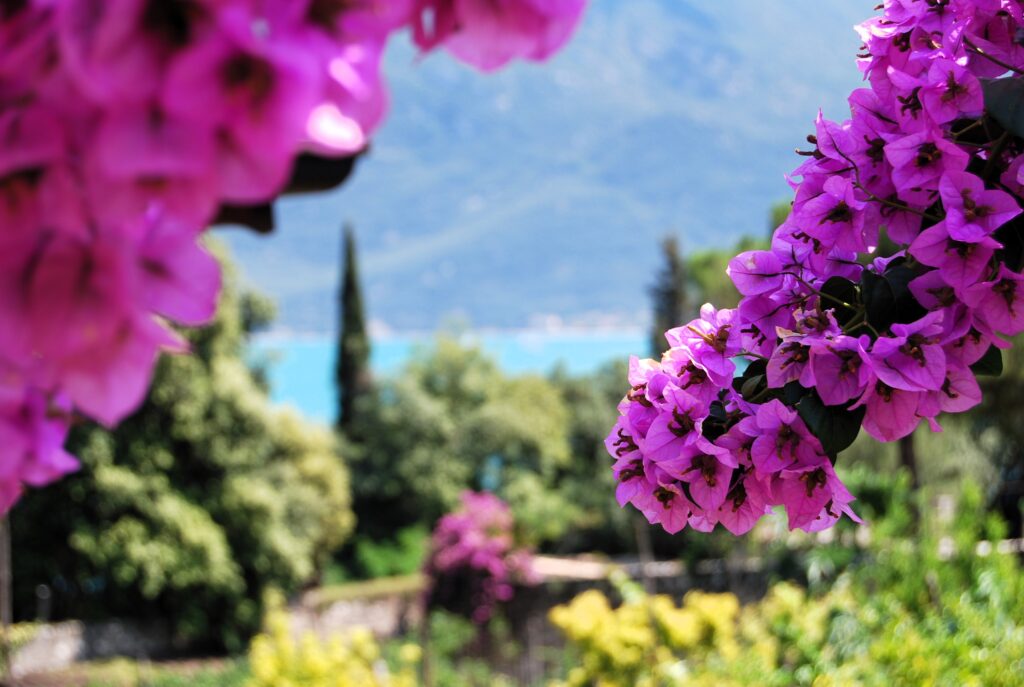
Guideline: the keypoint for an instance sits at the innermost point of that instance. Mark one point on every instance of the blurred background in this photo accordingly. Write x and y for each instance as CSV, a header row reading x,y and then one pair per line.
x,y
458,317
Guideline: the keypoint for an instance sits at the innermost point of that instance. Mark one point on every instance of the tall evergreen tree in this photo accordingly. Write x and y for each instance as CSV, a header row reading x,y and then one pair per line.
x,y
352,371
669,295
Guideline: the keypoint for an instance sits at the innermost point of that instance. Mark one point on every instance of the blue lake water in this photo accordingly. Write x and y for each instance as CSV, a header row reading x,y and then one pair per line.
x,y
302,367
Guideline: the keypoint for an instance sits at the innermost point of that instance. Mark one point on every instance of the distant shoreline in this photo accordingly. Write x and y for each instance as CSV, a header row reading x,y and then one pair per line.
x,y
301,365
470,334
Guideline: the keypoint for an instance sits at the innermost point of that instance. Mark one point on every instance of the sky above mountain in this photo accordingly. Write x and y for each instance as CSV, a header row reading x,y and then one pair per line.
x,y
541,193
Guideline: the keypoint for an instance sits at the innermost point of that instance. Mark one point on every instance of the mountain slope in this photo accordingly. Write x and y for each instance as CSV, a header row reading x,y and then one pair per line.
x,y
544,190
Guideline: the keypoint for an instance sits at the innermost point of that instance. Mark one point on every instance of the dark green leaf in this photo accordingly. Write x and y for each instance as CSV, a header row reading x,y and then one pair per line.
x,y
841,290
887,297
1011,235
752,387
1004,100
990,364
878,299
792,393
835,426
259,218
314,173
742,385
311,173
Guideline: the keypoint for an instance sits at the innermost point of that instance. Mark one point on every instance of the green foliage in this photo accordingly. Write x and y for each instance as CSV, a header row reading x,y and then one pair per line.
x,y
403,555
450,419
841,294
948,458
999,432
921,607
194,506
277,658
234,675
778,215
706,269
586,483
886,297
452,651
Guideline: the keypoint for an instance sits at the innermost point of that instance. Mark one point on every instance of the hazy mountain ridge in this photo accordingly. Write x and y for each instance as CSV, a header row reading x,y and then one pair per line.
x,y
545,190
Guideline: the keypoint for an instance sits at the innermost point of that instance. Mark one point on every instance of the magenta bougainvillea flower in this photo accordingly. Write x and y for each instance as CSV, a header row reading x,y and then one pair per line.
x,y
126,124
33,438
707,469
673,429
912,359
833,337
972,212
999,303
782,440
476,544
711,342
489,33
756,272
747,501
814,496
843,364
919,160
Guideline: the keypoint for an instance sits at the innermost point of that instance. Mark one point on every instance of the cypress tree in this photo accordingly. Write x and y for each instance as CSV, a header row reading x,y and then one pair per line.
x,y
352,372
671,305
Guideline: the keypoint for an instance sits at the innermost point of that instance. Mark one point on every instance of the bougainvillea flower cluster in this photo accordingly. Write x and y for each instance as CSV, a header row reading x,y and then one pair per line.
x,y
125,125
474,548
883,295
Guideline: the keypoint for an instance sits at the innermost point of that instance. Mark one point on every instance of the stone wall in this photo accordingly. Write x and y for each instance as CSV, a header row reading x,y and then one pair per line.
x,y
386,615
59,645
390,611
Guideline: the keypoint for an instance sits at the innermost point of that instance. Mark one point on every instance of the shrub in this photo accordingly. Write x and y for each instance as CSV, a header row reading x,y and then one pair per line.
x,y
277,659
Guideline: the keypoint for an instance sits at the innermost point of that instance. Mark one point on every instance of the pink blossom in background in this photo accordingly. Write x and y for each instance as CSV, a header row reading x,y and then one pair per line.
x,y
477,541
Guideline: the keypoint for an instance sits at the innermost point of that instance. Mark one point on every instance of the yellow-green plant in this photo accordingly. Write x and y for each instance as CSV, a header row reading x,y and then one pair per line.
x,y
647,640
846,637
278,659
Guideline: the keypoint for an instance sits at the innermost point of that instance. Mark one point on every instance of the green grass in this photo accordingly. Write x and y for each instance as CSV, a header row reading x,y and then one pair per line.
x,y
127,673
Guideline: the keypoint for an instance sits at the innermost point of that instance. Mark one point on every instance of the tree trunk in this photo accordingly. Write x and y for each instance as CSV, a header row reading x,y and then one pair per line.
x,y
6,600
645,550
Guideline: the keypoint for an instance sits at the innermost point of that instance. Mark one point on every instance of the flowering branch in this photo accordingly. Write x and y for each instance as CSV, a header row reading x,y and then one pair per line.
x,y
933,312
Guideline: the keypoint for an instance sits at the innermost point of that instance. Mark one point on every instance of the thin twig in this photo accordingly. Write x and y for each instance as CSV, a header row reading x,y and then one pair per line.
x,y
1005,65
